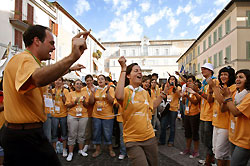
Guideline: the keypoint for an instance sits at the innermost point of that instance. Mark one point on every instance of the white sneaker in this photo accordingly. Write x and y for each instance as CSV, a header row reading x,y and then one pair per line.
x,y
121,157
81,152
70,156
85,149
64,153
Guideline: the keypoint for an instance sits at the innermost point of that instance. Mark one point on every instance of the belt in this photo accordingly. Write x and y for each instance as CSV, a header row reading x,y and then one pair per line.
x,y
23,126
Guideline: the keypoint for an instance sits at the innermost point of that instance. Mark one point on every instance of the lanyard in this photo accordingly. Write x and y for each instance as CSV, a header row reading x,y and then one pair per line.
x,y
101,92
187,100
39,63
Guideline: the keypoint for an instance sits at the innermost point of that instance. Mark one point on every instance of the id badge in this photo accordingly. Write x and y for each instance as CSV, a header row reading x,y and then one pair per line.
x,y
99,106
202,101
78,111
99,109
232,125
169,98
215,114
187,110
57,109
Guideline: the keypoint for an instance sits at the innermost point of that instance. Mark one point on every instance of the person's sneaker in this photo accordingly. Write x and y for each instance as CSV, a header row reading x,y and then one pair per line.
x,y
194,155
70,156
186,151
170,144
202,162
64,153
85,149
82,153
121,157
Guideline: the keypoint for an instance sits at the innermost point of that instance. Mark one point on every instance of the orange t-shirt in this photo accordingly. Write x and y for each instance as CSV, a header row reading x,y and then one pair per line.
x,y
60,109
90,107
192,109
135,114
221,119
239,133
102,109
79,110
174,99
22,105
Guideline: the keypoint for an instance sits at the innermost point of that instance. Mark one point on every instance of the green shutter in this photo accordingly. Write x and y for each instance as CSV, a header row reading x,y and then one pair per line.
x,y
209,41
248,50
204,45
220,58
215,60
228,54
228,25
220,32
215,36
198,50
193,53
204,61
199,68
248,18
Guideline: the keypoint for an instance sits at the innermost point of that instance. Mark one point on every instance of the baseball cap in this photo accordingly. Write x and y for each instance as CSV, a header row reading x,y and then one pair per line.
x,y
208,66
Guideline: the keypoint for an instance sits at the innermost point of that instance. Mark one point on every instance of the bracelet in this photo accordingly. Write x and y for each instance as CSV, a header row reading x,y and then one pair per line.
x,y
123,71
227,100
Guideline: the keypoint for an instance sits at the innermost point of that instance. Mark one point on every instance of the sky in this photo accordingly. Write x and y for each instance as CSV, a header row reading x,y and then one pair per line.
x,y
130,20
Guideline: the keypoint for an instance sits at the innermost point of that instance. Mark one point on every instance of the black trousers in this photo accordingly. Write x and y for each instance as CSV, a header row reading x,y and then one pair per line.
x,y
27,147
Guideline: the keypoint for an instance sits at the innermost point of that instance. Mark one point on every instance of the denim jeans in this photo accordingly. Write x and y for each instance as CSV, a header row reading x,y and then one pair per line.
x,y
206,129
47,127
169,118
240,156
102,127
122,145
63,127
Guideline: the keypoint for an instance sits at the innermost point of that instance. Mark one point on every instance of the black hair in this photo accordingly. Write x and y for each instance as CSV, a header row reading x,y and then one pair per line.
x,y
191,76
199,83
77,80
101,75
88,76
155,74
231,75
176,82
38,31
108,79
246,72
128,71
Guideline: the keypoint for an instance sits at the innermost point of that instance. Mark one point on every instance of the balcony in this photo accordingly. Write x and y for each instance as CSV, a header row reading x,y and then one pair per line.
x,y
22,25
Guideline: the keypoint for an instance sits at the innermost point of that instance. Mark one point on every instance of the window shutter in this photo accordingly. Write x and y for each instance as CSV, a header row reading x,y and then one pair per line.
x,y
248,50
215,60
248,18
18,9
30,14
228,53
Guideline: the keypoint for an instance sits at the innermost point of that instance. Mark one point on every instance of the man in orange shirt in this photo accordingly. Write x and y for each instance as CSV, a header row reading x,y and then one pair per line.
x,y
23,139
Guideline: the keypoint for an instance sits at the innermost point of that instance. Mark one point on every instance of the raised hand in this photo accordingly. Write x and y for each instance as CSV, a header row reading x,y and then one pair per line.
x,y
177,73
227,92
79,44
190,90
77,67
122,61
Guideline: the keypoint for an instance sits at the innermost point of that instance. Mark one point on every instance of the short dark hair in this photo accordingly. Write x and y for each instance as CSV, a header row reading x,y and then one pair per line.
x,y
101,75
191,76
155,74
246,72
88,76
38,31
231,77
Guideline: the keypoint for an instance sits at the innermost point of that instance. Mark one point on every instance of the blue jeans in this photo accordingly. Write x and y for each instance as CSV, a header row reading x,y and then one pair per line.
x,y
47,127
169,118
122,145
240,156
63,127
206,129
102,127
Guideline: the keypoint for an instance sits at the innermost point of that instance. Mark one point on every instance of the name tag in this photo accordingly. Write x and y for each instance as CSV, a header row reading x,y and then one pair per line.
x,y
48,102
99,109
215,114
57,109
78,111
187,110
202,101
232,125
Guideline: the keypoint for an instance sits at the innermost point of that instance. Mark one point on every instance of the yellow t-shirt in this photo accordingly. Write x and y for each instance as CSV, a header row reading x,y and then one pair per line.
x,y
60,109
102,109
239,133
79,110
90,107
207,108
221,119
192,109
22,105
135,114
174,99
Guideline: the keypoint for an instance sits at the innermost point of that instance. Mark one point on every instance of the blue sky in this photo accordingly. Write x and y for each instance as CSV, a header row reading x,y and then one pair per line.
x,y
129,20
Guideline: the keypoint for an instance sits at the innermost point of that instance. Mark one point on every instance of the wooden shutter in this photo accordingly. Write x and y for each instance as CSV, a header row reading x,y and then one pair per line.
x,y
56,29
18,39
215,60
248,50
228,53
18,9
30,15
248,18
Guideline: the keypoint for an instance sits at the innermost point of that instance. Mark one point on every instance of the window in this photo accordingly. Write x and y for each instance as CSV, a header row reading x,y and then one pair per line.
x,y
54,27
157,51
228,54
199,68
220,58
210,59
204,45
145,50
215,36
190,57
204,61
194,68
18,9
215,60
220,32
113,62
124,52
18,39
30,14
166,51
198,50
248,18
133,52
193,53
248,50
228,26
209,41
187,59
